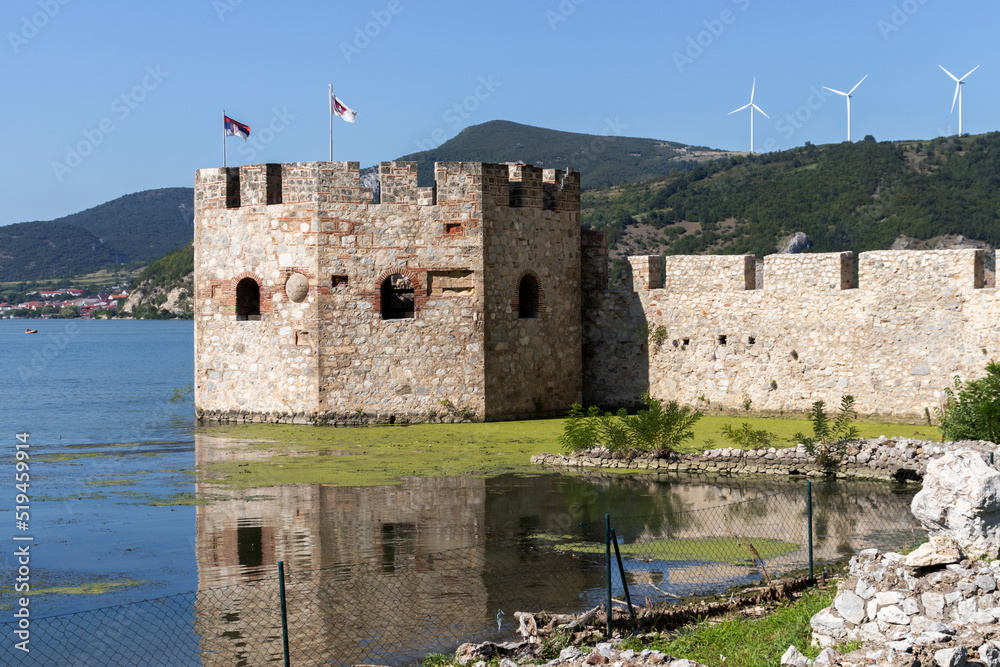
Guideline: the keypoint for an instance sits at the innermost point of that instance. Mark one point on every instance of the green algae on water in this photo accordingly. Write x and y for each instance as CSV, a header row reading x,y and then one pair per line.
x,y
711,549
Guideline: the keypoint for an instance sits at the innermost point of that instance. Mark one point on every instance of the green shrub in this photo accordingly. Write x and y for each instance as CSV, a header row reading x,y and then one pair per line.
x,y
971,409
658,428
748,437
829,439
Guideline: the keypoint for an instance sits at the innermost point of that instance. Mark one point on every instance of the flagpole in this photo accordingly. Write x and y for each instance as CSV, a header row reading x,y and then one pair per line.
x,y
223,138
331,122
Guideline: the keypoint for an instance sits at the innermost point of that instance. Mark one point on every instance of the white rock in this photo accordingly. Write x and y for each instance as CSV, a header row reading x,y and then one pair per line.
x,y
893,614
828,657
961,498
886,598
825,623
951,657
850,606
989,655
864,590
794,658
939,550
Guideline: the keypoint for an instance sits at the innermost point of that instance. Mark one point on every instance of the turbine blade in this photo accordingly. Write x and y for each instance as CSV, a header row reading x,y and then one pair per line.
x,y
759,109
752,89
970,72
740,109
958,86
835,91
858,84
948,73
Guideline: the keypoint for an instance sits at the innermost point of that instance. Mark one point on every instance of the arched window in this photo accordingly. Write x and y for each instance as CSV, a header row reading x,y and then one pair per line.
x,y
527,298
396,295
247,299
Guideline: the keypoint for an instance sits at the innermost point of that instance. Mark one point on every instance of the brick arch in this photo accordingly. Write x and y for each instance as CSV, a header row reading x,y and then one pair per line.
x,y
266,305
416,280
515,303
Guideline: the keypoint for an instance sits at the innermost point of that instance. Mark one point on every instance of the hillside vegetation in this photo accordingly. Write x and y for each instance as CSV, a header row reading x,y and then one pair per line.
x,y
602,159
165,288
861,196
131,230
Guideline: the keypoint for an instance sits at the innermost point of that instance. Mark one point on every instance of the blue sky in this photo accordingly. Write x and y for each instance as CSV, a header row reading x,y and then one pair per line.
x,y
102,99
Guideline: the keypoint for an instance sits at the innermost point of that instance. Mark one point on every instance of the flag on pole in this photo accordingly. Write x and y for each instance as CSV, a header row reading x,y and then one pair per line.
x,y
236,129
342,109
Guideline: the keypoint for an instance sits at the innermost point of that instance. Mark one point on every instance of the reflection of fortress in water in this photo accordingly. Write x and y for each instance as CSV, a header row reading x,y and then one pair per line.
x,y
389,573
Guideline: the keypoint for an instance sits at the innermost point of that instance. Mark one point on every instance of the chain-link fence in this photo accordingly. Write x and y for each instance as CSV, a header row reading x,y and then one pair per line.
x,y
395,611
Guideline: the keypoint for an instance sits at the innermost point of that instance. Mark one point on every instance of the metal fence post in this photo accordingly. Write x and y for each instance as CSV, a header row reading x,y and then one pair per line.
x,y
809,508
621,571
284,610
607,547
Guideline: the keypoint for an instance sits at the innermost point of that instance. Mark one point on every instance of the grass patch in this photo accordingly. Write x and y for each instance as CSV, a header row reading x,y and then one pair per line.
x,y
113,482
710,427
711,549
377,455
748,642
369,456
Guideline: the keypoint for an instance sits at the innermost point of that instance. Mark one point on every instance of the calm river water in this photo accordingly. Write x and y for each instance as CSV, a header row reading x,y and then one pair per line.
x,y
112,464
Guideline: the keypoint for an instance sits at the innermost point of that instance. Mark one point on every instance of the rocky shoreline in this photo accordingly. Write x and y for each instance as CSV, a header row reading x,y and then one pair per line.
x,y
899,459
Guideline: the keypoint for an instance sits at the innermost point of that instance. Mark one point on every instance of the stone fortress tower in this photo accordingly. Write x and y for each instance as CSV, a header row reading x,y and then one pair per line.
x,y
314,304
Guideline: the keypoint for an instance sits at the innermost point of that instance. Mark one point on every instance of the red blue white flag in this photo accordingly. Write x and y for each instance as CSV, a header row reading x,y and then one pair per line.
x,y
236,129
342,109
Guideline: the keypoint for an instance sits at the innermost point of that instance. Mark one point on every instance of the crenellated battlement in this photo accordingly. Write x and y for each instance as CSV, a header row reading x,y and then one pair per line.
x,y
458,185
880,270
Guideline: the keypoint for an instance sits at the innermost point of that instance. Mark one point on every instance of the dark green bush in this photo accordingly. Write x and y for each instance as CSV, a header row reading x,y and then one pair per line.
x,y
658,428
971,409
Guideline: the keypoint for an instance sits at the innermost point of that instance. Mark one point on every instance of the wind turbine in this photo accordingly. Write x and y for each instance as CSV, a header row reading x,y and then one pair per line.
x,y
959,82
751,106
848,96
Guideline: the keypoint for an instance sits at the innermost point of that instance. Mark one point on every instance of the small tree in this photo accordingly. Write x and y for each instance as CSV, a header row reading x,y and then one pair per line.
x,y
829,439
971,410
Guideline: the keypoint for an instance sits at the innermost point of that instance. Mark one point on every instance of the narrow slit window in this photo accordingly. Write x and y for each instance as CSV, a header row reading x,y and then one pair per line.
x,y
527,298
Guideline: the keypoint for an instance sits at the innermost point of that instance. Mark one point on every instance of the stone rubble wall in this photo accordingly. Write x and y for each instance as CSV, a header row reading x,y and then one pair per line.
x,y
880,458
905,616
915,320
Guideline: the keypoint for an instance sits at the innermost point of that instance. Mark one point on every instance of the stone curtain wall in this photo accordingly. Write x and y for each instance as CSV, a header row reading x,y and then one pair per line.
x,y
916,319
533,365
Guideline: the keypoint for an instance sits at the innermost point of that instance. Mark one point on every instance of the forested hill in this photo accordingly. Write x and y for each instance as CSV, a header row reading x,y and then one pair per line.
x,y
604,158
860,196
136,228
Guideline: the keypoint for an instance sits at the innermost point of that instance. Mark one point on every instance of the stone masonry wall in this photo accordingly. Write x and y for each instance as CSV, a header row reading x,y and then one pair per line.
x,y
533,365
256,365
324,349
916,319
